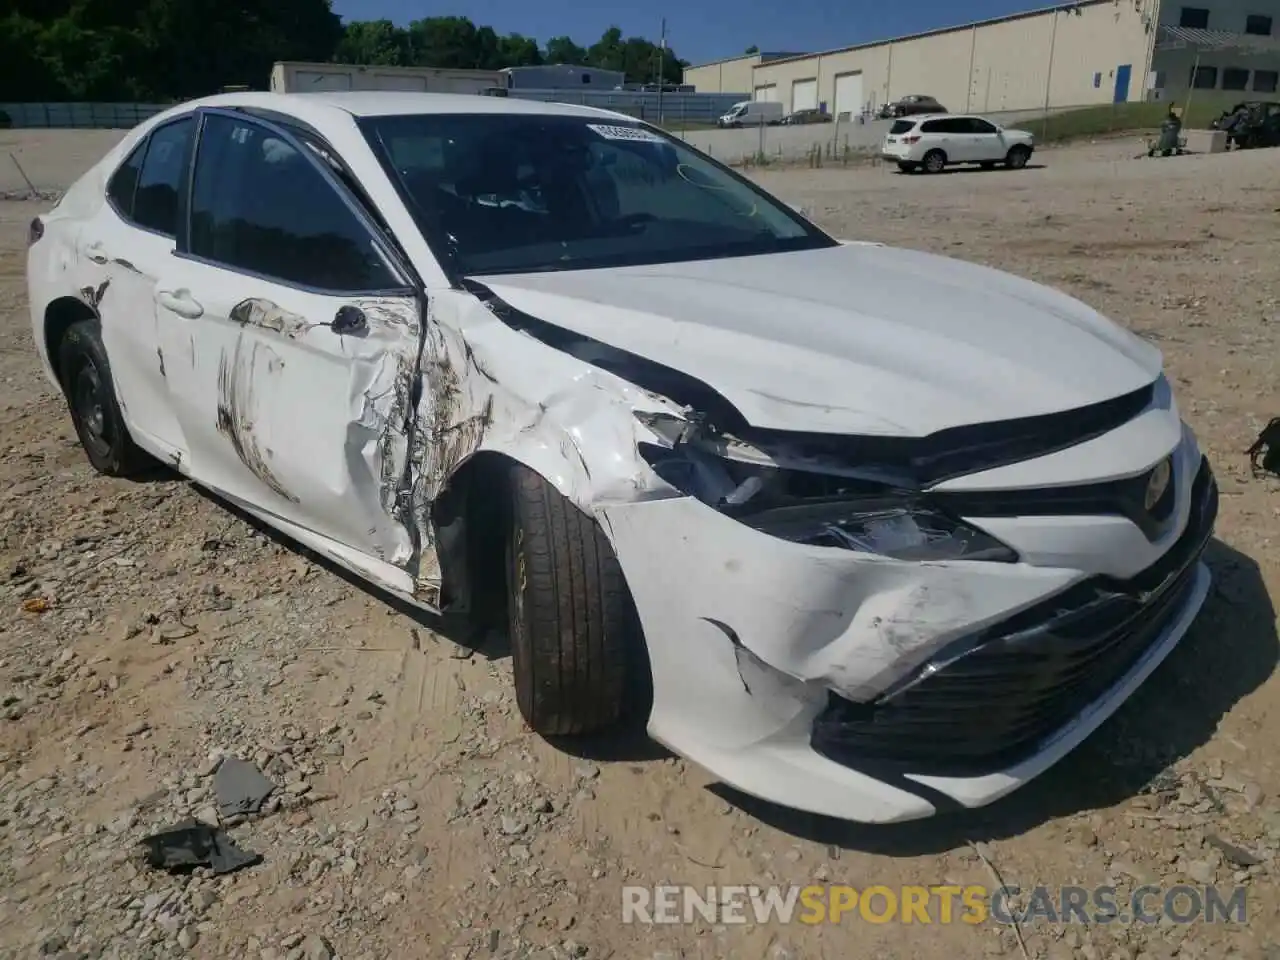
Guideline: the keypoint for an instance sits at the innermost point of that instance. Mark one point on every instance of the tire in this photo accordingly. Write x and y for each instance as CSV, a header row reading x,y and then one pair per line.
x,y
934,161
906,166
85,375
574,631
1017,158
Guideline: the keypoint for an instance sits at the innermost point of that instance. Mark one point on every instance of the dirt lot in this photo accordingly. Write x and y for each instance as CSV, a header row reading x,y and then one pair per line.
x,y
416,818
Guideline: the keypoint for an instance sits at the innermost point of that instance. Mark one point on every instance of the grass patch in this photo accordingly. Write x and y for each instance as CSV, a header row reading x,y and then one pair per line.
x,y
1128,117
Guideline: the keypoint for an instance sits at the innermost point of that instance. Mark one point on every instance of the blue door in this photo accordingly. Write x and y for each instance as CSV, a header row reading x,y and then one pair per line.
x,y
1122,82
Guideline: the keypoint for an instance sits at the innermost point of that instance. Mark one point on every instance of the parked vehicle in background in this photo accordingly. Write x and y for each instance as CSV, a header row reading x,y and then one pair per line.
x,y
1254,123
813,115
911,105
752,113
931,143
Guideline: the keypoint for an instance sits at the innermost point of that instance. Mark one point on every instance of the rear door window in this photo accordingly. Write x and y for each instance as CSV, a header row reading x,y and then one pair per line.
x,y
155,202
125,180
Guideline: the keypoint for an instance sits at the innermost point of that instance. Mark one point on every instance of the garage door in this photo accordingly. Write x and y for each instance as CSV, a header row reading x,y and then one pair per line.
x,y
768,92
804,95
397,81
313,81
849,101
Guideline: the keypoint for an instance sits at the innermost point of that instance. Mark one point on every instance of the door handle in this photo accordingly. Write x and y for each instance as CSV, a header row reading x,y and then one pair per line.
x,y
180,302
95,252
349,320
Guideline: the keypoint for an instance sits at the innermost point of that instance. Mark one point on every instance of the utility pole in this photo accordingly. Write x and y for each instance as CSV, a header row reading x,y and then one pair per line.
x,y
1048,79
662,64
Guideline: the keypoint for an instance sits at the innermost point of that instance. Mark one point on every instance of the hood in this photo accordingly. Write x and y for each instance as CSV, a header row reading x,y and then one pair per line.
x,y
856,339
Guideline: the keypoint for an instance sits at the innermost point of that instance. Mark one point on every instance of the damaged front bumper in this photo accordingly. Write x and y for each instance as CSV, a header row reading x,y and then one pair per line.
x,y
879,690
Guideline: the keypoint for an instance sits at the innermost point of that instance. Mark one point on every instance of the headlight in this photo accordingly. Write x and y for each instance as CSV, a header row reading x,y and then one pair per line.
x,y
812,507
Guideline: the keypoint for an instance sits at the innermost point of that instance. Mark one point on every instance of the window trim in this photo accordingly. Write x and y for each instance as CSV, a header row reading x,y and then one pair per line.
x,y
1236,71
1182,14
393,261
1273,75
440,249
1259,17
1209,71
145,146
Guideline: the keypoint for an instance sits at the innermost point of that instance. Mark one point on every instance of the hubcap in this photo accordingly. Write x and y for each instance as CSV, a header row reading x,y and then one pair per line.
x,y
89,406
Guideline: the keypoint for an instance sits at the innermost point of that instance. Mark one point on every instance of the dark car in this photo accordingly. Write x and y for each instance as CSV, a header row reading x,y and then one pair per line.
x,y
909,105
1254,123
813,115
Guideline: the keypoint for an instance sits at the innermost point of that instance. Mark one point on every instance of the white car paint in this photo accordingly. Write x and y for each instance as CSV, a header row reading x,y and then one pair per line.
x,y
951,139
238,381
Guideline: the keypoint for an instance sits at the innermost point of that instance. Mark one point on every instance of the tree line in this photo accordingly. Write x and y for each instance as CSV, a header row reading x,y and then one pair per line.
x,y
162,50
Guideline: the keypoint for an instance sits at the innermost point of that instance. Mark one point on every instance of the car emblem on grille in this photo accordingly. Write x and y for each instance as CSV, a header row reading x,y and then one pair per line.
x,y
1157,484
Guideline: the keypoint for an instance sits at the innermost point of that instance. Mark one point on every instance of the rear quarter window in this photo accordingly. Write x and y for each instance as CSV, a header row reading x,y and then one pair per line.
x,y
902,126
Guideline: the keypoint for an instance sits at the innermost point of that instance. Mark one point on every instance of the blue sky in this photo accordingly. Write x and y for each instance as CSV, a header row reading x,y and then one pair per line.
x,y
701,30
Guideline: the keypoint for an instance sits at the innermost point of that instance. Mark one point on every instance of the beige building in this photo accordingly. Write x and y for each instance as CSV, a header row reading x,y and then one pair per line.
x,y
1077,54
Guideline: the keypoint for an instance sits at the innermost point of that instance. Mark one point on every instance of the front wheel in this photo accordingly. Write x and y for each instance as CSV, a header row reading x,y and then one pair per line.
x,y
575,636
91,399
1017,158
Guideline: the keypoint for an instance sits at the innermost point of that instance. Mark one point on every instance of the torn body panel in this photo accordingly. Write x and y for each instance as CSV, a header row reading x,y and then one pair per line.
x,y
290,417
763,631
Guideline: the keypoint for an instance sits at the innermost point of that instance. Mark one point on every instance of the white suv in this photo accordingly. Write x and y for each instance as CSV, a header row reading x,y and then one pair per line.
x,y
931,142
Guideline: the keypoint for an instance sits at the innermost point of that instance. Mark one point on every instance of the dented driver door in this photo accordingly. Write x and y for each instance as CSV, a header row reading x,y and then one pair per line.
x,y
294,339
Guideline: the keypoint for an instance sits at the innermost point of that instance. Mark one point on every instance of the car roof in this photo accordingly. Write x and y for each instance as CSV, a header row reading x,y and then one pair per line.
x,y
382,103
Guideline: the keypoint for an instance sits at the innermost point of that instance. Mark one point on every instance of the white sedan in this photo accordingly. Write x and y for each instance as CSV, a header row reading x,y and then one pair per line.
x,y
861,530
931,142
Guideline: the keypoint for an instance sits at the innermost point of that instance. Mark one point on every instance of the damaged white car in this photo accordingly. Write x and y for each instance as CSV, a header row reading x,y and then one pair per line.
x,y
863,531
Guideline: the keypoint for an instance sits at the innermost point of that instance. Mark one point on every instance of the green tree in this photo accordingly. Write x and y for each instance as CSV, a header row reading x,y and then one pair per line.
x,y
564,50
172,49
751,49
378,42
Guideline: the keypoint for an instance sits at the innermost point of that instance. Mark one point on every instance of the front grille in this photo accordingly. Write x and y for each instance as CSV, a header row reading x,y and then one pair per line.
x,y
990,701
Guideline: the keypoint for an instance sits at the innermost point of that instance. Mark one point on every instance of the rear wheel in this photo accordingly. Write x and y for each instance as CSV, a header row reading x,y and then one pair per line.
x,y
576,647
91,399
1017,157
934,161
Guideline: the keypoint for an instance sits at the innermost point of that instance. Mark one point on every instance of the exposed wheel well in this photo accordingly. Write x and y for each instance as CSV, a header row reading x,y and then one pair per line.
x,y
58,318
470,519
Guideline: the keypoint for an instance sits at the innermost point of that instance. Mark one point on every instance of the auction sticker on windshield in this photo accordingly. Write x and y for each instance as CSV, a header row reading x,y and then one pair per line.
x,y
624,133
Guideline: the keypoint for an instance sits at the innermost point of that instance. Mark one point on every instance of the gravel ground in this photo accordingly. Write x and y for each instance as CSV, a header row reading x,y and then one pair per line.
x,y
147,632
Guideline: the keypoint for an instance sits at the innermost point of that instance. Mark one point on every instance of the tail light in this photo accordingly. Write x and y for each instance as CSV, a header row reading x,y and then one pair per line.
x,y
35,231
914,139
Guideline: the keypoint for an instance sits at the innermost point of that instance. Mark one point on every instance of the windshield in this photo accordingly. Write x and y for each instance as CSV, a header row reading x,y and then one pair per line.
x,y
512,193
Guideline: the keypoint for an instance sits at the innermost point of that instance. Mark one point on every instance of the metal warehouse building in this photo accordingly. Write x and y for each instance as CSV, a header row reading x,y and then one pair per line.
x,y
1077,54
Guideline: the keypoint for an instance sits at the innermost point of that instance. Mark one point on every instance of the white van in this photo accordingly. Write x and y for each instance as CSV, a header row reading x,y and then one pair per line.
x,y
751,113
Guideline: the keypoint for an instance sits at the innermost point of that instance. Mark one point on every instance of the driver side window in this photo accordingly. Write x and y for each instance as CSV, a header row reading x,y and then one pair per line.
x,y
260,206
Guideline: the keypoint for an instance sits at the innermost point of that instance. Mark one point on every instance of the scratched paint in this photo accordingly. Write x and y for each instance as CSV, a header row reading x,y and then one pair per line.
x,y
267,315
236,411
93,295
